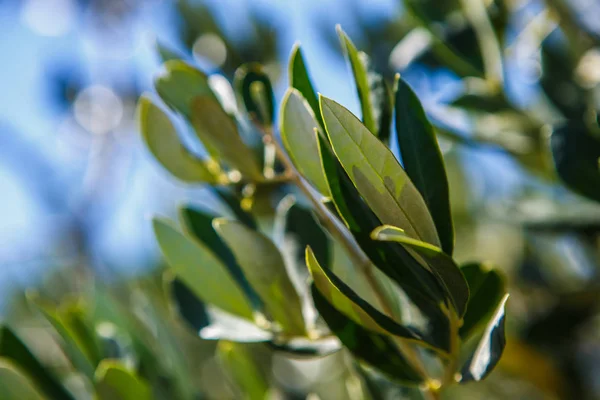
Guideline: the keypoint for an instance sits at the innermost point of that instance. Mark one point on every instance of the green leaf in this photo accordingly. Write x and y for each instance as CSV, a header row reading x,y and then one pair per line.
x,y
160,136
218,132
576,151
74,345
372,348
200,225
115,382
201,270
487,288
373,92
298,125
242,365
442,265
13,349
423,161
377,174
265,270
419,284
180,84
15,384
489,349
256,91
346,301
300,80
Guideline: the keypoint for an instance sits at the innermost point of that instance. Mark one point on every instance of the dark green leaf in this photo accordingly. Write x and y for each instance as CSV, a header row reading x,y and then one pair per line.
x,y
257,92
201,270
486,291
372,348
558,78
160,136
265,270
492,103
351,305
489,349
423,161
377,174
300,80
373,92
115,382
576,151
190,307
298,125
442,265
13,349
391,258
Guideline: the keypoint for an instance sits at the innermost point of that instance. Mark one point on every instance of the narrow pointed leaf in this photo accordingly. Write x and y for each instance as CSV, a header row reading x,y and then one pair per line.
x,y
423,161
298,126
256,91
15,384
160,136
490,347
218,131
442,265
115,382
419,284
345,300
377,174
372,348
201,270
487,288
576,150
265,270
199,225
72,344
300,80
14,350
373,92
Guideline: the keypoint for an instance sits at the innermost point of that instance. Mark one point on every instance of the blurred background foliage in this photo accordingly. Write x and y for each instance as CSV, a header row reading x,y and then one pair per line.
x,y
78,188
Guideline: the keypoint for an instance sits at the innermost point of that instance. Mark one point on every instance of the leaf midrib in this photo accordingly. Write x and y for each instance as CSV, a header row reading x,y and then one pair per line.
x,y
379,176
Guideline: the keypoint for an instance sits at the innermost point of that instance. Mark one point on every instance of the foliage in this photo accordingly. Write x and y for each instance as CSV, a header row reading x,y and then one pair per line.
x,y
337,235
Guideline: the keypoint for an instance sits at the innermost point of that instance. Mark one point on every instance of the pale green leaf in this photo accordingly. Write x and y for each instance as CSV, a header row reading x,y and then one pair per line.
x,y
114,382
218,131
265,270
162,140
15,384
298,125
201,270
